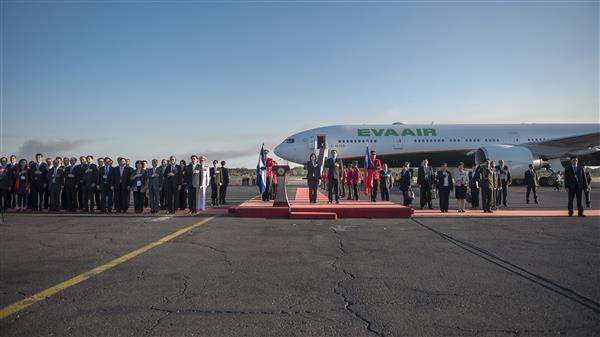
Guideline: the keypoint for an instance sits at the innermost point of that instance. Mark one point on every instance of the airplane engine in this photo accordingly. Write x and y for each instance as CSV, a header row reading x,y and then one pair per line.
x,y
517,158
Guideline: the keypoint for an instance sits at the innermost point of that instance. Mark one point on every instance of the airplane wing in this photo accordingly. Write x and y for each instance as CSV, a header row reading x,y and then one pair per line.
x,y
574,145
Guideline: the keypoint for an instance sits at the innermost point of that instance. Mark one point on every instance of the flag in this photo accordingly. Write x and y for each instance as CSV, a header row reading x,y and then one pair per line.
x,y
261,172
368,182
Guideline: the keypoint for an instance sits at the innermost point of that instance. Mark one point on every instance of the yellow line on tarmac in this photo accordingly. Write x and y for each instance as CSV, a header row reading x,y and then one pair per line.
x,y
24,303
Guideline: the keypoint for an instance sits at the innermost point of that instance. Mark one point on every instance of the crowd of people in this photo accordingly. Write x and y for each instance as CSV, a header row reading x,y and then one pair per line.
x,y
66,184
484,187
89,185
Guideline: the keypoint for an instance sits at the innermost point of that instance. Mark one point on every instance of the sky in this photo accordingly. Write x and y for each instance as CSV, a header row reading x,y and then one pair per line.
x,y
150,79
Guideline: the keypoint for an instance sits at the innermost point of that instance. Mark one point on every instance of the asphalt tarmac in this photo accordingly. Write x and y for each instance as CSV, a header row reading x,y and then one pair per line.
x,y
255,277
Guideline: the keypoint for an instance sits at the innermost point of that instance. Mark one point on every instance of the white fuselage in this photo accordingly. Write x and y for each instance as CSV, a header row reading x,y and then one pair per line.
x,y
350,141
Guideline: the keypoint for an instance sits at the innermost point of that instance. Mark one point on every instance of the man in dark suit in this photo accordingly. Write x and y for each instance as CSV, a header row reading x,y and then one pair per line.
x,y
37,182
121,180
71,183
223,190
531,183
97,192
46,197
486,174
474,182
79,174
335,172
161,170
12,171
192,175
172,184
405,182
56,181
104,186
5,183
216,181
445,184
575,184
89,179
425,182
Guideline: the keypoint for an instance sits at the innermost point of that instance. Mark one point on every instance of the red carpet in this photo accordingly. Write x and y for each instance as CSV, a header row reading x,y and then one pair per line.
x,y
301,208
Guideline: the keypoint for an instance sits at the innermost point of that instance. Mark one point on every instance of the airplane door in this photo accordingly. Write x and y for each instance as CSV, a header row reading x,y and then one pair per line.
x,y
321,142
398,143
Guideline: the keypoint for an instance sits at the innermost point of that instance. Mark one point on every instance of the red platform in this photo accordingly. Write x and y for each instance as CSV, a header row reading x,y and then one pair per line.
x,y
301,208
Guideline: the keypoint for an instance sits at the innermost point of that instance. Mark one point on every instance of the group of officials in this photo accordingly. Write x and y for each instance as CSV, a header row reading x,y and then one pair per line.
x,y
489,181
64,184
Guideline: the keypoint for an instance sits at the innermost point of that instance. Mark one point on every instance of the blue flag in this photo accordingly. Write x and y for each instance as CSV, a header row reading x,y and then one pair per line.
x,y
261,173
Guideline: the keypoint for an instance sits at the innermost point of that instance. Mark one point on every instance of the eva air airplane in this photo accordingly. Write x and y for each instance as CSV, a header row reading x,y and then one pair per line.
x,y
519,145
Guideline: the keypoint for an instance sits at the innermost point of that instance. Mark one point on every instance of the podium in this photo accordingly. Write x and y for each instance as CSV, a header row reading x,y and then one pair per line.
x,y
281,198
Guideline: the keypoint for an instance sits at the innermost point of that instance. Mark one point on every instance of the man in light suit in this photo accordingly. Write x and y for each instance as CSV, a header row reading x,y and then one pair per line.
x,y
154,176
192,175
335,172
204,180
575,184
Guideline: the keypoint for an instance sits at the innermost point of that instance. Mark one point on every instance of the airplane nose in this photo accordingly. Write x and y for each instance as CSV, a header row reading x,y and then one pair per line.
x,y
278,150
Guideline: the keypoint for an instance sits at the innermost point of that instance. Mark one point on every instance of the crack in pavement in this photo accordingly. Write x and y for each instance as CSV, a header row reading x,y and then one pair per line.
x,y
341,291
217,250
167,299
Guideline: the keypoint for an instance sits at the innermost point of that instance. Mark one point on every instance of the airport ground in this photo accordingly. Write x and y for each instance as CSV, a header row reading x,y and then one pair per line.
x,y
350,277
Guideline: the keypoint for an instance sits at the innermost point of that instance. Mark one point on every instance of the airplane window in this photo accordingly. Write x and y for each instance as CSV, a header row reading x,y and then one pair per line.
x,y
289,140
375,140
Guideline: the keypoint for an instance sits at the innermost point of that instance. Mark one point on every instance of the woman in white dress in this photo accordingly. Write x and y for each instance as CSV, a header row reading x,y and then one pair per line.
x,y
204,182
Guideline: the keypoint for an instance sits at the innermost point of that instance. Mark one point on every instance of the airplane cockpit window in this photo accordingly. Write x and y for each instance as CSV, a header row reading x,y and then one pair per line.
x,y
289,140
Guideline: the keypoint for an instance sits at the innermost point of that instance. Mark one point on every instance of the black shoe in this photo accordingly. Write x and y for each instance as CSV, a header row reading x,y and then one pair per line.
x,y
570,214
582,215
536,202
526,201
337,201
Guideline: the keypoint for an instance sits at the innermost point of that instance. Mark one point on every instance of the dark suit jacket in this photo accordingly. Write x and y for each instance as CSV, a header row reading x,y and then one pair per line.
x,y
530,178
313,172
58,179
6,178
440,180
102,171
119,180
575,180
71,182
192,179
90,177
421,176
405,179
175,180
225,173
333,171
38,180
